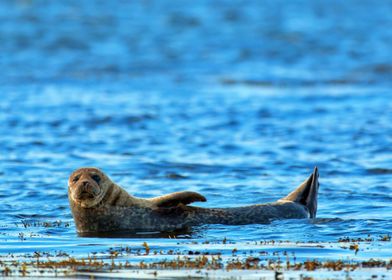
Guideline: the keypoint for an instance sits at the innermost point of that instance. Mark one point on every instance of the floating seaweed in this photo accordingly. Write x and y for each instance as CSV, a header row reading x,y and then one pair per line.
x,y
125,258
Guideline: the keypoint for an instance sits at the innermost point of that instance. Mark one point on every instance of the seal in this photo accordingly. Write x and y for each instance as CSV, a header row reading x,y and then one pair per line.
x,y
100,205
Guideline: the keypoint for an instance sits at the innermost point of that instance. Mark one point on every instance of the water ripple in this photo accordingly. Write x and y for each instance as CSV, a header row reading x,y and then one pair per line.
x,y
237,103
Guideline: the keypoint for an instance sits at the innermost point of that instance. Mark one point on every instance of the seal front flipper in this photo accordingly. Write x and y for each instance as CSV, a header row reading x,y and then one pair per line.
x,y
306,193
174,199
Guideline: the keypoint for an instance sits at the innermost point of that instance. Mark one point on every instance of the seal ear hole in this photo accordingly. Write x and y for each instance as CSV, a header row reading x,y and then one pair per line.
x,y
96,178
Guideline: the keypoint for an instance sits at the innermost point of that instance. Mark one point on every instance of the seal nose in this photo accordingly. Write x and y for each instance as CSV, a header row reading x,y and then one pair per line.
x,y
85,190
85,186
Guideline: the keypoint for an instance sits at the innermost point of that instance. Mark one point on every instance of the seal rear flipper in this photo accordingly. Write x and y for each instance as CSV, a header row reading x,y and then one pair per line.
x,y
177,198
306,193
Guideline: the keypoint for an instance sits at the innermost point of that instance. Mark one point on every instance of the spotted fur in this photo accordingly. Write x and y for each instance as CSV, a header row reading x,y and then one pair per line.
x,y
102,206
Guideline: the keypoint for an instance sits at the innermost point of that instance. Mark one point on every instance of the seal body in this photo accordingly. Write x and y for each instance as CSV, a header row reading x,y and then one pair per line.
x,y
99,205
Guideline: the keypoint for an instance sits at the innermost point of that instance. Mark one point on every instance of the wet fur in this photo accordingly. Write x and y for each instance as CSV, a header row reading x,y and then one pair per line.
x,y
119,211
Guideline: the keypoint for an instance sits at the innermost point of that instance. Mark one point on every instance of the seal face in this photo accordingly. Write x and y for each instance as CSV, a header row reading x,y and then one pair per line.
x,y
100,205
87,187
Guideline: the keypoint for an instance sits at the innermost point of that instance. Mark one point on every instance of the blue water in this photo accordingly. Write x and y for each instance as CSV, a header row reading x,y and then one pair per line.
x,y
236,101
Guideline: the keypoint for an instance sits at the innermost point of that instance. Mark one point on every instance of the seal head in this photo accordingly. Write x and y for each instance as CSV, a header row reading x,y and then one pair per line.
x,y
88,186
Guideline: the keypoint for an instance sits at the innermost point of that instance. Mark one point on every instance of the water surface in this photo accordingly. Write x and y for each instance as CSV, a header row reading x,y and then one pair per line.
x,y
237,102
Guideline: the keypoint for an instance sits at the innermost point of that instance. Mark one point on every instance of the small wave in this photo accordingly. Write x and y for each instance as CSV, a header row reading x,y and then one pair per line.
x,y
379,171
318,221
175,176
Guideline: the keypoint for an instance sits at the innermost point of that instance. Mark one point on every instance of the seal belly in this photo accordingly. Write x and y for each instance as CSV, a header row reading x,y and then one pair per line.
x,y
255,214
132,219
114,218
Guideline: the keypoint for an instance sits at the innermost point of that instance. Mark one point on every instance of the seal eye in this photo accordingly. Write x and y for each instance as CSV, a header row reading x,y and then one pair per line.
x,y
96,178
75,179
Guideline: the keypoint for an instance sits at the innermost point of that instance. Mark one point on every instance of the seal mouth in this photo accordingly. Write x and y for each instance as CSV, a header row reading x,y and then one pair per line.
x,y
87,191
87,199
85,195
